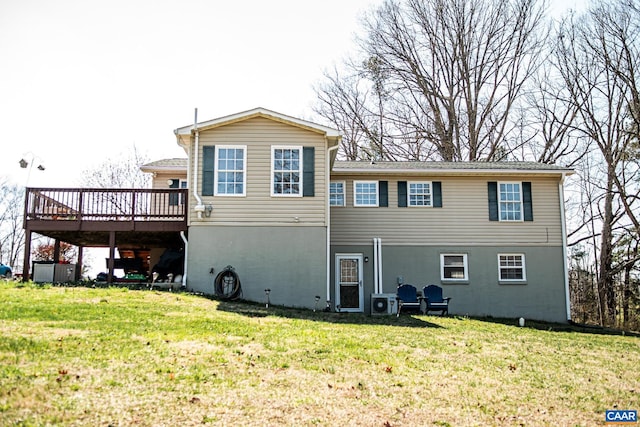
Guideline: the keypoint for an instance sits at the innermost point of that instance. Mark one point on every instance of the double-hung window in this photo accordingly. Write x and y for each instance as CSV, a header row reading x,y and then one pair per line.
x,y
419,194
286,167
510,201
454,267
336,193
365,193
511,268
230,176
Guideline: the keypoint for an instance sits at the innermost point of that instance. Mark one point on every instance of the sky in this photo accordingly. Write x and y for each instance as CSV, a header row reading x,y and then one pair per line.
x,y
83,81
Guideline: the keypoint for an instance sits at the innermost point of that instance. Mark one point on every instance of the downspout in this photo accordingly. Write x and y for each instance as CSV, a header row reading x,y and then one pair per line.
x,y
328,215
199,207
564,248
375,266
186,257
380,282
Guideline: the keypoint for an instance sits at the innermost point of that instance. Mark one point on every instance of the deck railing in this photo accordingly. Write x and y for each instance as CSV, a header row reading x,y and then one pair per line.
x,y
100,204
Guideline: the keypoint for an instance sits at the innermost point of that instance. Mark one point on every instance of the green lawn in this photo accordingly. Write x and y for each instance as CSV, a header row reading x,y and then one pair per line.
x,y
83,356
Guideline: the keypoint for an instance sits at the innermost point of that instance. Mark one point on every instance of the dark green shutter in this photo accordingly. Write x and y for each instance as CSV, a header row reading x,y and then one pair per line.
x,y
527,201
402,194
383,194
437,194
208,169
308,171
173,198
493,201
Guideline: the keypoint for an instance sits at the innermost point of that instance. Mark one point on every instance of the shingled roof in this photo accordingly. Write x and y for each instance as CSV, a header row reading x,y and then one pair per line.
x,y
176,164
447,167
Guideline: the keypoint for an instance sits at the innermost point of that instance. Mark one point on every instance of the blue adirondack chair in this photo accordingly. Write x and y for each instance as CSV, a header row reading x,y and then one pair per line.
x,y
432,295
407,296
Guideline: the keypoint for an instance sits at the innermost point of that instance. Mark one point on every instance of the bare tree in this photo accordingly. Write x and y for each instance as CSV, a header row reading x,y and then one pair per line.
x,y
549,119
598,56
11,230
438,79
121,171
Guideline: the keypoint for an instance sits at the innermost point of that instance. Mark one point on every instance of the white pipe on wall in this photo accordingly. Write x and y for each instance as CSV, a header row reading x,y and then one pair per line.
x,y
186,258
375,265
328,215
380,281
564,247
199,207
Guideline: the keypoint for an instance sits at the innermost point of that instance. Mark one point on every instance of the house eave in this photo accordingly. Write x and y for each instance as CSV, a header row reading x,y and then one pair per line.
x,y
559,172
161,169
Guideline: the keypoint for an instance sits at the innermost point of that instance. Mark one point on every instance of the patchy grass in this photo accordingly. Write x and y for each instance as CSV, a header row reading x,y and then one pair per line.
x,y
82,356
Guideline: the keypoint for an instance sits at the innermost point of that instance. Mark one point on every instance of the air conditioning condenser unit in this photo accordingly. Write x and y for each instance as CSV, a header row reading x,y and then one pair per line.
x,y
383,304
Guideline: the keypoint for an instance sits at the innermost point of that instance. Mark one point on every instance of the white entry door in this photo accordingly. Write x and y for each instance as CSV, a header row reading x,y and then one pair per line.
x,y
349,290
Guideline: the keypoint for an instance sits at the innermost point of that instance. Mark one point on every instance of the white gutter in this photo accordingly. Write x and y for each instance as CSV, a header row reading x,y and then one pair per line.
x,y
199,207
449,171
328,215
186,258
564,248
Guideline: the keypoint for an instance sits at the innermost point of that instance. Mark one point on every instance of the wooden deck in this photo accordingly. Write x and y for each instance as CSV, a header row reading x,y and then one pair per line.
x,y
103,217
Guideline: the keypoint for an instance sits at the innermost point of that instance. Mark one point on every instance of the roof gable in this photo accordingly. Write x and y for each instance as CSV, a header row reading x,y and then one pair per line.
x,y
259,112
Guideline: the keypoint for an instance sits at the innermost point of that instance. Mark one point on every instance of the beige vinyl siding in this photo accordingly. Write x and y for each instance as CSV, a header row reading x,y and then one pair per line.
x,y
258,207
160,179
463,219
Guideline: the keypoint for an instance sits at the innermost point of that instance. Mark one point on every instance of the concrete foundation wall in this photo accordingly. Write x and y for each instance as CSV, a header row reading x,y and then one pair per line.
x,y
541,297
291,261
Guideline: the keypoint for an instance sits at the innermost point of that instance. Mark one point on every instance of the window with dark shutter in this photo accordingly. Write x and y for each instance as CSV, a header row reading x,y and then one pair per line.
x,y
510,201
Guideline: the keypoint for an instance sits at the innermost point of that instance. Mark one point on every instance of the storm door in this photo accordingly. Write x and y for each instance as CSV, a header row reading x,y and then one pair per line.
x,y
349,291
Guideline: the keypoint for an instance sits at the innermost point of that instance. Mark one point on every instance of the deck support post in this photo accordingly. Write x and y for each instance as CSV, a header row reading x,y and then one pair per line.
x,y
112,255
56,251
79,263
27,255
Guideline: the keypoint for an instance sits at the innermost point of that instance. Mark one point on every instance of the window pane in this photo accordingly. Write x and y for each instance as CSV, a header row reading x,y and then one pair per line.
x,y
510,202
419,194
286,171
230,170
454,260
366,194
454,267
512,274
511,267
336,194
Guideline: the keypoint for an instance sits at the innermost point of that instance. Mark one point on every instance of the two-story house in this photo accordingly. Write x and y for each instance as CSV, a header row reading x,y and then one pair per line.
x,y
264,193
267,196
